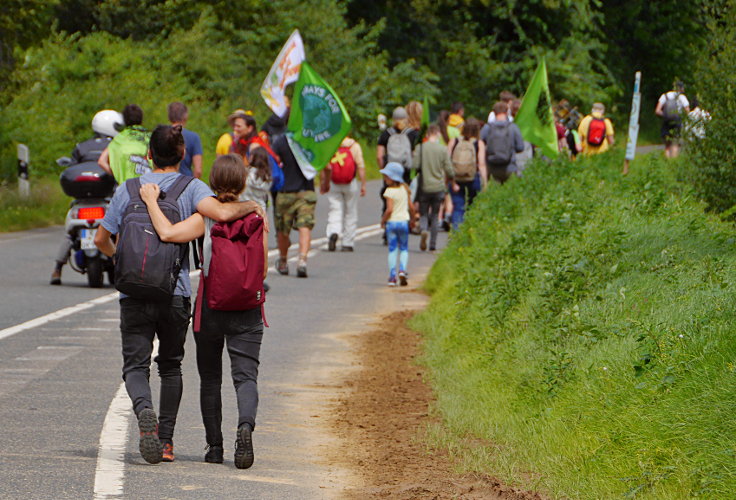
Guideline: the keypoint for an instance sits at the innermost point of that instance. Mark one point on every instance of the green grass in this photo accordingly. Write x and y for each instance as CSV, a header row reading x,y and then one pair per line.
x,y
47,205
580,335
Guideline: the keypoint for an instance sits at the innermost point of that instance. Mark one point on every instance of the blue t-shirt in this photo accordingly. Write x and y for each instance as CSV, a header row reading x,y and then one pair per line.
x,y
195,192
193,147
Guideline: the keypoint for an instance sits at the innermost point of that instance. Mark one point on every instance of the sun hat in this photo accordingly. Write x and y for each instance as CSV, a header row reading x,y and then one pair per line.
x,y
393,171
238,113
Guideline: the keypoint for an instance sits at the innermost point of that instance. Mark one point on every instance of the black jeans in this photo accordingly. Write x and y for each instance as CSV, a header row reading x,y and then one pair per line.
x,y
140,321
429,210
243,333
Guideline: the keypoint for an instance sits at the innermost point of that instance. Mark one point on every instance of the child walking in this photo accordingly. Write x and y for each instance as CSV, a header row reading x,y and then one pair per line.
x,y
397,219
242,331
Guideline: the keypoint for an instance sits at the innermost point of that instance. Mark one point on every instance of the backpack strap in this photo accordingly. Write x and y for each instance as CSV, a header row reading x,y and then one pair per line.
x,y
134,188
179,186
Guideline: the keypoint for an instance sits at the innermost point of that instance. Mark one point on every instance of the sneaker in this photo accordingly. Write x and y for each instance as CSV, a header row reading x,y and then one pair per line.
x,y
282,266
301,268
149,444
244,448
403,278
167,453
332,244
347,249
432,249
392,281
214,454
423,241
55,277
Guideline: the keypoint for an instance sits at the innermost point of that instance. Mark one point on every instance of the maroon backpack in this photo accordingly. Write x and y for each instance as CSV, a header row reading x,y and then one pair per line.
x,y
234,281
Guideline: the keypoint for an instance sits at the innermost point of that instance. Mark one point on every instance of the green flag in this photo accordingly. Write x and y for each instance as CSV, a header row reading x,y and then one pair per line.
x,y
535,118
318,122
425,112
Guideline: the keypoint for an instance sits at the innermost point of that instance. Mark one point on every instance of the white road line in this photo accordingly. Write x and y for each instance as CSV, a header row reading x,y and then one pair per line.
x,y
110,472
61,313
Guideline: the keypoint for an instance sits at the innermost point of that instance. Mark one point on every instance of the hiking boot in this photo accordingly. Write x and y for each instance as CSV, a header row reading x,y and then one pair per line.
x,y
244,448
282,267
403,278
392,281
214,454
167,453
301,268
332,244
423,241
55,277
149,444
347,249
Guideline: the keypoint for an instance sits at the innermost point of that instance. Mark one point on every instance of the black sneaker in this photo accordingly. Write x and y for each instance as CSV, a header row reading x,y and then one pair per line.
x,y
332,244
214,454
266,287
55,278
149,445
244,448
282,267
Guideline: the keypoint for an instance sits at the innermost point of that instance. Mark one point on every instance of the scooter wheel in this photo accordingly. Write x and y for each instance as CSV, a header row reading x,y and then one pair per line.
x,y
94,272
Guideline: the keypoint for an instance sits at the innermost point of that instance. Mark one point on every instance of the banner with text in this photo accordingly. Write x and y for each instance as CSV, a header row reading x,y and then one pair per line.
x,y
285,70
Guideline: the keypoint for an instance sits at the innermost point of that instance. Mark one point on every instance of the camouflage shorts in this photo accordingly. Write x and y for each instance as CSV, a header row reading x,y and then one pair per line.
x,y
295,210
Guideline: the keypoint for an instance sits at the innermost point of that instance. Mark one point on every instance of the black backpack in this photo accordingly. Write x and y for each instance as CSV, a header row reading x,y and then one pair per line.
x,y
147,268
499,144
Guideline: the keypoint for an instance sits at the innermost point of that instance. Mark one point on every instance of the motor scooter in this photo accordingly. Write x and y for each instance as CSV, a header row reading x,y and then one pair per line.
x,y
91,187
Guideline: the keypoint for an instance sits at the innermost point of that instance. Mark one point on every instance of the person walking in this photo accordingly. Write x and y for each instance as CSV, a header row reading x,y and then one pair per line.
x,y
236,121
596,131
397,219
343,180
240,330
294,209
126,155
435,167
503,141
192,162
468,154
142,319
671,106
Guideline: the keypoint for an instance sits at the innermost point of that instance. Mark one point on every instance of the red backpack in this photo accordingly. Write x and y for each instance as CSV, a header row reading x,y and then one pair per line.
x,y
235,278
596,131
343,166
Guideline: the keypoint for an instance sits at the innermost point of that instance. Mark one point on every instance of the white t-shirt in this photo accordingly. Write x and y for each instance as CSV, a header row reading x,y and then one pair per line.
x,y
398,194
682,101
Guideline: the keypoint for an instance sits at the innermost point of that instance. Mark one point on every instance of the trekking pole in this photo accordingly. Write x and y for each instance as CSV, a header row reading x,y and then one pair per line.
x,y
24,187
633,124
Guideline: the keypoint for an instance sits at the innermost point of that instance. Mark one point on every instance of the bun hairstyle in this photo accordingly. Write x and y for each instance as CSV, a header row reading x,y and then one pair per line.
x,y
227,177
167,146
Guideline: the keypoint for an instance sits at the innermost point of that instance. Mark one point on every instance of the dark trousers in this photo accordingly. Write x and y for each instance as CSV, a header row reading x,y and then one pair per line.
x,y
500,174
462,199
140,322
429,210
242,331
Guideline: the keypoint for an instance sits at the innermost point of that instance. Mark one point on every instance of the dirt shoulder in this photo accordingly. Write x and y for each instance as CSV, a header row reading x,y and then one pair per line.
x,y
380,419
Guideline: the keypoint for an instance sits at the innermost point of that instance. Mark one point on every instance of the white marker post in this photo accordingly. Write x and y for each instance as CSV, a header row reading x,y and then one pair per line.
x,y
24,187
633,123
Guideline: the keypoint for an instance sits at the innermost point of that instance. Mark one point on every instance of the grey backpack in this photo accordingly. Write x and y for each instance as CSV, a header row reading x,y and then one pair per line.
x,y
498,144
398,148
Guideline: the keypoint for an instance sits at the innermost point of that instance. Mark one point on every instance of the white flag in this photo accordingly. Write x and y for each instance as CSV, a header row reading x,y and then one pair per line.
x,y
285,70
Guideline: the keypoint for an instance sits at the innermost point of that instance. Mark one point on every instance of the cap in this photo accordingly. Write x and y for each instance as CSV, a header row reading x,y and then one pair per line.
x,y
399,114
394,171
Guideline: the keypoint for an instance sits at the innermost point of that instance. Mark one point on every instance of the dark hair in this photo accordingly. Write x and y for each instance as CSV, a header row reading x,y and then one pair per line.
x,y
471,129
132,115
167,146
456,107
177,111
694,103
259,160
442,119
433,129
250,122
500,108
506,95
515,107
227,177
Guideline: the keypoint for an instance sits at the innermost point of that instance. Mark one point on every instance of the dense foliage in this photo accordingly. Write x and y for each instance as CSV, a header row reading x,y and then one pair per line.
x,y
580,335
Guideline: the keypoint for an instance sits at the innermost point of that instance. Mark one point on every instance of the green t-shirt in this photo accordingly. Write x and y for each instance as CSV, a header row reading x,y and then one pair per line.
x,y
128,151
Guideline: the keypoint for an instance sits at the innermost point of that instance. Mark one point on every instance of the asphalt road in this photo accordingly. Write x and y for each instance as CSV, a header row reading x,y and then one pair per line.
x,y
58,379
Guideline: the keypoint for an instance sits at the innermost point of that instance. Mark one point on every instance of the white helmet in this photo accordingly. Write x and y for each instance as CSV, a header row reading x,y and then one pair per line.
x,y
108,122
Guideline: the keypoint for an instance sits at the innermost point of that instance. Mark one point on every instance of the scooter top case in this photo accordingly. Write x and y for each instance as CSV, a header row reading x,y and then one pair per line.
x,y
87,180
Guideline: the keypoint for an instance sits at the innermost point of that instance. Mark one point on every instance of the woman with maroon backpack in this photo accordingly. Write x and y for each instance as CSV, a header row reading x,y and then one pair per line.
x,y
229,306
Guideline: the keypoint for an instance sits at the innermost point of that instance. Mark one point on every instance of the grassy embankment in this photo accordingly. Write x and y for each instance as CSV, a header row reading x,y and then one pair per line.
x,y
48,204
580,335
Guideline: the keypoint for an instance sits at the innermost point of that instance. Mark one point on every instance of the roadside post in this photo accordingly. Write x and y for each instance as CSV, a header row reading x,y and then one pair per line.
x,y
633,123
24,187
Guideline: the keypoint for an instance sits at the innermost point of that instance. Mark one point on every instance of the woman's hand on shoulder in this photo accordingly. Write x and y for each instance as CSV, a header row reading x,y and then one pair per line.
x,y
149,193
